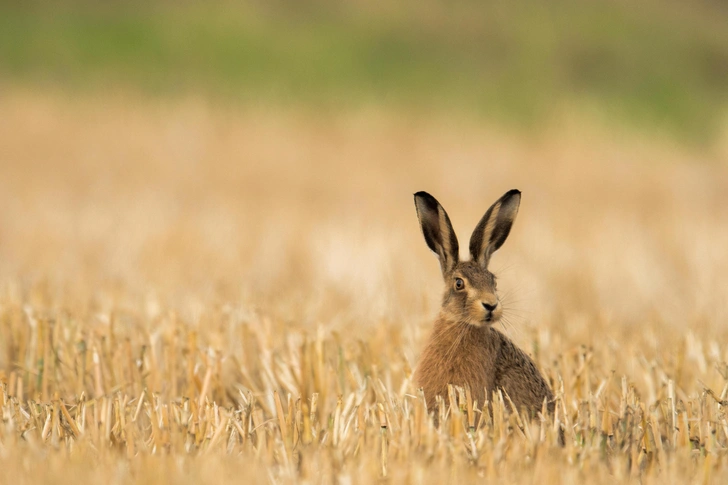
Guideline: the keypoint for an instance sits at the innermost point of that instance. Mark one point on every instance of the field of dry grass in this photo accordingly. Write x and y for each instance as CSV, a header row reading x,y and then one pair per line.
x,y
195,293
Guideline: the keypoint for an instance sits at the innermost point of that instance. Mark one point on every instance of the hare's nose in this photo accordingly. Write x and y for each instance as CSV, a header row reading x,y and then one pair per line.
x,y
489,308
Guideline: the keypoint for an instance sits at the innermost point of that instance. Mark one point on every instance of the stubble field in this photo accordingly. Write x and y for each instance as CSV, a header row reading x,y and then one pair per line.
x,y
197,293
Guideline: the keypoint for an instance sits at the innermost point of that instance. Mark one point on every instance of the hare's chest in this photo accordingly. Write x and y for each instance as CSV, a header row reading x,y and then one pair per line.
x,y
468,364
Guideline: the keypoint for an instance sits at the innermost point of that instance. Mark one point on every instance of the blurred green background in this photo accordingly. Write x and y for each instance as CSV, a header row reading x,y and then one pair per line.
x,y
655,66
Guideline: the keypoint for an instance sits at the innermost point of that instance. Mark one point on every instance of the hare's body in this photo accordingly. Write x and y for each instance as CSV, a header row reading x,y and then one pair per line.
x,y
464,349
482,359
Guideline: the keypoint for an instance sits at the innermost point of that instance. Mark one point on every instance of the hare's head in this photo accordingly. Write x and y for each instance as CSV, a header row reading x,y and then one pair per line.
x,y
470,289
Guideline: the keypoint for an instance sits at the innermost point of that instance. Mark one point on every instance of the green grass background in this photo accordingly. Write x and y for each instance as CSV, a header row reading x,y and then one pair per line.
x,y
653,65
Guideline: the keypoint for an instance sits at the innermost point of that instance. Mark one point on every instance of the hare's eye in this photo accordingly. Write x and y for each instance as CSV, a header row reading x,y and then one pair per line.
x,y
459,284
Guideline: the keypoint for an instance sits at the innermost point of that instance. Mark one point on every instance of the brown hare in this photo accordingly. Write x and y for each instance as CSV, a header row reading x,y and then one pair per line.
x,y
464,348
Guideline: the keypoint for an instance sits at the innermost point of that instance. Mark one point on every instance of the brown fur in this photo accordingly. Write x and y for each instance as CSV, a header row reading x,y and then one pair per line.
x,y
464,349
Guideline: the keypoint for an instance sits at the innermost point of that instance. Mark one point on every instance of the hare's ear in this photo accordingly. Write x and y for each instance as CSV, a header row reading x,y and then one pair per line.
x,y
492,230
437,229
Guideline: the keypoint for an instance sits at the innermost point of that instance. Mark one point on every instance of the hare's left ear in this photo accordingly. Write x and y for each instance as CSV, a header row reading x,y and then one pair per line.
x,y
492,230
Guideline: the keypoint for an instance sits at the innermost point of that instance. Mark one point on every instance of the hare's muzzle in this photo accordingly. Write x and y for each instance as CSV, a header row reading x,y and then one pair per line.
x,y
492,311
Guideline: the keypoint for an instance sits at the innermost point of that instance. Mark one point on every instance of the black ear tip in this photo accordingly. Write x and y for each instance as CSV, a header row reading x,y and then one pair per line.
x,y
512,196
429,201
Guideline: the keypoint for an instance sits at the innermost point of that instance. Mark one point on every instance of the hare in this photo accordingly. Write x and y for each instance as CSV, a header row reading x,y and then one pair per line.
x,y
464,348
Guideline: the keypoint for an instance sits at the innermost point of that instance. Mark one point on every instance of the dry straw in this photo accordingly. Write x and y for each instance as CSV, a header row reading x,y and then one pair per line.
x,y
355,425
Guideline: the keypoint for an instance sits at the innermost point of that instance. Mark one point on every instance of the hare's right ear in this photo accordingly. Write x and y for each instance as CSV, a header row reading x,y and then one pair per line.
x,y
492,230
437,229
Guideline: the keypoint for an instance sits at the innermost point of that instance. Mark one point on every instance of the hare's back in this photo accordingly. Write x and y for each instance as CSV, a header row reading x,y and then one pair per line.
x,y
518,375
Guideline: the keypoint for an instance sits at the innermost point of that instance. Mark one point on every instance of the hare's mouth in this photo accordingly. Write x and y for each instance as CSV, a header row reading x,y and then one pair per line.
x,y
490,319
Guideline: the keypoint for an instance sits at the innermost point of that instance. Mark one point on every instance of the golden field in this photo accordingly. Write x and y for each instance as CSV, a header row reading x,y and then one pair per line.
x,y
194,292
